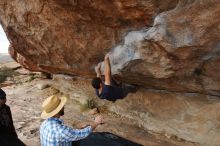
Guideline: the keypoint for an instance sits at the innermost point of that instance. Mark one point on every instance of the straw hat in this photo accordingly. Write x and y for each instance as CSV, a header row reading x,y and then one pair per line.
x,y
52,105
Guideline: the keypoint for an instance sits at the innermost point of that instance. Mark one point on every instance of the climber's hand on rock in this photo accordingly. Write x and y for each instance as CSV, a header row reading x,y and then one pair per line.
x,y
107,56
98,66
98,69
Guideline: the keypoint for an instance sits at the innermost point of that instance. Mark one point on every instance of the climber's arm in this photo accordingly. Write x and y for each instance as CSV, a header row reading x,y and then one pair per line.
x,y
98,70
107,70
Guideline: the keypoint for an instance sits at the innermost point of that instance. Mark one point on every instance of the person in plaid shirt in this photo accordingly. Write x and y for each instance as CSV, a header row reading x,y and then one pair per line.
x,y
53,132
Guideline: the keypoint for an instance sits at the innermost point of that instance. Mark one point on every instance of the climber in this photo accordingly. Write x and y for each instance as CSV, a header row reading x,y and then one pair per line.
x,y
109,89
53,132
8,134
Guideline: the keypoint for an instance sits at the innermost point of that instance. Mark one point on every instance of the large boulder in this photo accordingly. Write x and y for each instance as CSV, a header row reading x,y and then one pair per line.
x,y
170,44
180,52
71,36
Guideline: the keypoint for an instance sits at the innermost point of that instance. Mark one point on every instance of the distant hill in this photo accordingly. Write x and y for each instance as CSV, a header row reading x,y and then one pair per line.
x,y
4,58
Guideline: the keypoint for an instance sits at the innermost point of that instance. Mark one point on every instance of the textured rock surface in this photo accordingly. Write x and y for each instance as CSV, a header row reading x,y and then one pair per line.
x,y
180,52
166,45
192,117
71,36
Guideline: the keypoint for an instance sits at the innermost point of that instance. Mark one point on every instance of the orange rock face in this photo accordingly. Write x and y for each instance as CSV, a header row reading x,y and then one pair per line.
x,y
165,44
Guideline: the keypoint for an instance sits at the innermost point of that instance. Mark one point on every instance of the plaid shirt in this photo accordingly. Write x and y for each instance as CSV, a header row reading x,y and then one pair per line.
x,y
54,133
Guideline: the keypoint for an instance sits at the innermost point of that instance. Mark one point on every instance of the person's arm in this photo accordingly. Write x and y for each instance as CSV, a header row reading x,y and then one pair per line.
x,y
98,70
107,70
70,134
98,120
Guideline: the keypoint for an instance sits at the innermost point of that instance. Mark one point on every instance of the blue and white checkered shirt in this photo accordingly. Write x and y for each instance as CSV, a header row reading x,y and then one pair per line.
x,y
54,133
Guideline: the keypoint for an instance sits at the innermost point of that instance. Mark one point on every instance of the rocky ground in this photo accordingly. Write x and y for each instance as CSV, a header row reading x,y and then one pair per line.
x,y
27,92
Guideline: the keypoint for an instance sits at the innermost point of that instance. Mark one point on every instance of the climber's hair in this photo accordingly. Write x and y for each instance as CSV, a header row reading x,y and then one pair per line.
x,y
96,82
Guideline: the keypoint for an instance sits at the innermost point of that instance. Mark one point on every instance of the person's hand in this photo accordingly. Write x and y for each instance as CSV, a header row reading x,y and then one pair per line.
x,y
99,119
98,68
107,55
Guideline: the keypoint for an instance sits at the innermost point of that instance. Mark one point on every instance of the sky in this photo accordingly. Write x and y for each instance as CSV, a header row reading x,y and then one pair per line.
x,y
4,43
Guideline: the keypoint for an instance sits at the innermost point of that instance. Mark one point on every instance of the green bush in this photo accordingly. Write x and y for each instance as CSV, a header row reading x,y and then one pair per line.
x,y
90,104
32,77
6,72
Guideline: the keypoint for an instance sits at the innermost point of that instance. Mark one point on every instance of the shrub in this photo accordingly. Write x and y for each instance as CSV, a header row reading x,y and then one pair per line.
x,y
90,104
6,72
31,77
